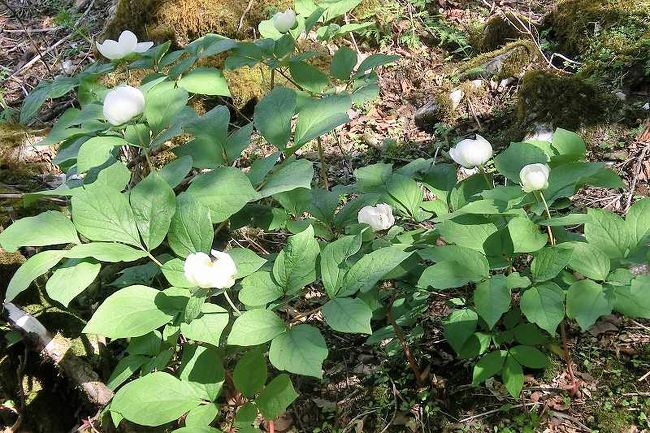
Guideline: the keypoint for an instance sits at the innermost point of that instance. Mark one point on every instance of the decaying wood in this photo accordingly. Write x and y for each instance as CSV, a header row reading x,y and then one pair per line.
x,y
57,350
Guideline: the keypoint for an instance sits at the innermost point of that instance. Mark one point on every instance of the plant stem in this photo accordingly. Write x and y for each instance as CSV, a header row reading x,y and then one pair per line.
x,y
567,359
323,164
271,427
485,176
272,78
225,293
405,346
155,260
551,238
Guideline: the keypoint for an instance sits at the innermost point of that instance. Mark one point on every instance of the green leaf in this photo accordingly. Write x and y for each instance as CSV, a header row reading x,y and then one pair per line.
x,y
549,261
174,272
97,151
565,179
348,315
68,282
46,89
516,281
34,267
525,235
608,232
530,334
250,373
459,327
371,268
300,350
449,274
332,261
259,289
292,174
373,178
570,144
273,116
154,203
343,63
155,399
492,299
130,312
47,228
210,147
568,220
276,397
295,266
589,260
470,231
637,221
199,418
586,301
529,356
205,81
103,214
175,171
190,229
516,156
124,369
320,116
405,194
543,304
224,191
633,300
255,327
247,261
105,252
147,344
308,76
513,376
163,102
208,326
373,62
488,366
202,368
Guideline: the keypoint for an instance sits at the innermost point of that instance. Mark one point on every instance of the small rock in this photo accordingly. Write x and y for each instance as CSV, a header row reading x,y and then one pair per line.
x,y
456,96
620,95
542,132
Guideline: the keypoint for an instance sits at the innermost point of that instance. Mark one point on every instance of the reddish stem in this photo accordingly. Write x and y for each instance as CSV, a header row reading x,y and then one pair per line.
x,y
271,427
567,358
405,346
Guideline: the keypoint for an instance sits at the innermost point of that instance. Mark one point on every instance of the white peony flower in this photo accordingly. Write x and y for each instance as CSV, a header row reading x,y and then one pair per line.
x,y
378,217
284,21
207,273
534,177
123,104
471,153
125,45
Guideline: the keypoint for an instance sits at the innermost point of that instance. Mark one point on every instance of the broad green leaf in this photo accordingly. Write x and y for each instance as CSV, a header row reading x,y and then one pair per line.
x,y
638,221
459,327
405,194
124,369
374,177
47,228
586,301
371,268
569,144
516,281
273,116
525,235
292,174
492,299
332,261
68,282
320,116
543,304
147,344
348,315
174,272
308,76
155,399
516,156
470,231
130,312
513,376
258,289
530,334
154,203
103,214
190,229
449,274
300,350
565,179
224,191
255,327
295,266
633,300
274,400
247,261
608,232
202,368
373,61
488,366
97,151
174,172
208,326
549,261
529,356
250,373
208,149
163,102
568,220
34,267
105,252
589,260
343,63
199,418
205,81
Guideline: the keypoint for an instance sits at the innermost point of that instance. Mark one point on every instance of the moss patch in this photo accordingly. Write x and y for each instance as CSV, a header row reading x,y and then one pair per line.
x,y
510,61
502,29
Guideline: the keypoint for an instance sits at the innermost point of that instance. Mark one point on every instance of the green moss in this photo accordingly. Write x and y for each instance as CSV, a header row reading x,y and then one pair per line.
x,y
502,29
512,60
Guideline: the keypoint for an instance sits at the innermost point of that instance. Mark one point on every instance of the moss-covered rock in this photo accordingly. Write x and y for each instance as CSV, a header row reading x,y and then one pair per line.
x,y
512,60
501,29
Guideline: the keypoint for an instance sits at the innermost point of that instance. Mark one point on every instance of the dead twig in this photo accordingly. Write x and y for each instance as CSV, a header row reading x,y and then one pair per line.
x,y
636,174
243,15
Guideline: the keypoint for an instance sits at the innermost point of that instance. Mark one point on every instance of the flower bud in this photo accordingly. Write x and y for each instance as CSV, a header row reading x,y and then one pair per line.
x,y
471,153
123,104
284,21
378,217
125,45
534,177
207,273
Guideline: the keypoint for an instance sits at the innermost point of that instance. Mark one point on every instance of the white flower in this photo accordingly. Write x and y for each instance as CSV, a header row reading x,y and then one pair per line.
x,y
207,273
471,153
123,104
125,45
378,217
284,21
534,177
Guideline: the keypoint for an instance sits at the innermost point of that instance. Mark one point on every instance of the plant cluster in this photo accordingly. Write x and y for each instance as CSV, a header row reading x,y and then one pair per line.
x,y
205,321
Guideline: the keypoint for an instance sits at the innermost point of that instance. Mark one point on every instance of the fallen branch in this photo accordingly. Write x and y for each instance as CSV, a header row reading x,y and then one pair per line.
x,y
57,350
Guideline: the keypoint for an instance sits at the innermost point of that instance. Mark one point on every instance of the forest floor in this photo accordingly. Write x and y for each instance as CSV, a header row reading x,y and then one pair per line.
x,y
369,388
